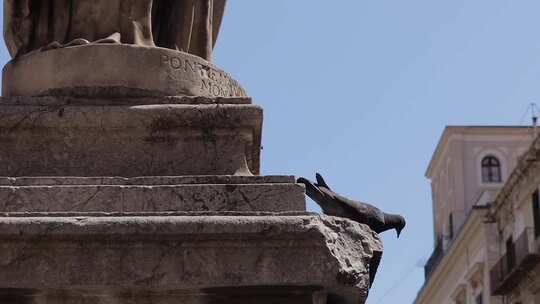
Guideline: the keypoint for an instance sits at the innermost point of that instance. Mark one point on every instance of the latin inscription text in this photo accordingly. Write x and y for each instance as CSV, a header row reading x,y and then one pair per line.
x,y
214,82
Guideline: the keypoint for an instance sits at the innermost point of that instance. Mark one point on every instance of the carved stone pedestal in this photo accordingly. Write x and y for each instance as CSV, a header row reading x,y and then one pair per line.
x,y
129,170
177,225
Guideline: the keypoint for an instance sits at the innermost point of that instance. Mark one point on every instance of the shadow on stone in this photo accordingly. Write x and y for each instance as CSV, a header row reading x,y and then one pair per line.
x,y
262,294
16,296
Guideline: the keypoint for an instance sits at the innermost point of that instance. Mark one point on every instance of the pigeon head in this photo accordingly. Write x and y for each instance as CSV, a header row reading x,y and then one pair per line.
x,y
394,221
400,225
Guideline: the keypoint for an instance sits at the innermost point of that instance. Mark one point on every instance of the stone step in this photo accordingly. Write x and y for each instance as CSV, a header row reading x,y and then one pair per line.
x,y
147,195
161,259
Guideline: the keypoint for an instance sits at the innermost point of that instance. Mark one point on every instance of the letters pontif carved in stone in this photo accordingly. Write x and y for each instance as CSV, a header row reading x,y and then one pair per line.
x,y
191,26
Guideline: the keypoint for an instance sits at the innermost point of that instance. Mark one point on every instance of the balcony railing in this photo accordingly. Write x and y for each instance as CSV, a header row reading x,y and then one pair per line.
x,y
434,260
511,268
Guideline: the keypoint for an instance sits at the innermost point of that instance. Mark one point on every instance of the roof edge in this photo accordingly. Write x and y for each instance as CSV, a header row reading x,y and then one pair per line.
x,y
450,130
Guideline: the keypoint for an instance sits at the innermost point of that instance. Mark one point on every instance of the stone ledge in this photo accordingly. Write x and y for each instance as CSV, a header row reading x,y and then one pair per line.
x,y
160,254
152,198
148,180
151,194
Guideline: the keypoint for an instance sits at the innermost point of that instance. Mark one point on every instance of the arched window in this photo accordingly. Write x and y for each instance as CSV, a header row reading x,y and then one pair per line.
x,y
491,170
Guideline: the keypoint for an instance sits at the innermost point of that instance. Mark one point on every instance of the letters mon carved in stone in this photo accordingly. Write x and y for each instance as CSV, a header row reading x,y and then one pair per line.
x,y
190,26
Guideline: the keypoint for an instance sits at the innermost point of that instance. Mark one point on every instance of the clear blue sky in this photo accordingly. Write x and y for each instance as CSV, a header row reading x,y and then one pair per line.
x,y
362,89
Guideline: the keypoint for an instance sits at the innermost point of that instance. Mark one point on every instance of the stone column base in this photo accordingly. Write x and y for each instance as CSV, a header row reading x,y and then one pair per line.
x,y
186,223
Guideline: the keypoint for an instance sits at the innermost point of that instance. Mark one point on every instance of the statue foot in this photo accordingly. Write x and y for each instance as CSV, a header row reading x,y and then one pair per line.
x,y
115,38
57,45
77,42
112,39
51,46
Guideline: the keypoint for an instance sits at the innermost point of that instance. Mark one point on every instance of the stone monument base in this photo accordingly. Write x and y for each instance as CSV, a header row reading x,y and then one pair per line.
x,y
185,223
129,137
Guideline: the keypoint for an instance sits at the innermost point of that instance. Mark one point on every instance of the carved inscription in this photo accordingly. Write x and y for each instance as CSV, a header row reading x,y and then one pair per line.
x,y
213,82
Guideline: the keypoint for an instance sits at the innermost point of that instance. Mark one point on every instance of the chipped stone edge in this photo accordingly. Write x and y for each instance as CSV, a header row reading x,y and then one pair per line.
x,y
350,245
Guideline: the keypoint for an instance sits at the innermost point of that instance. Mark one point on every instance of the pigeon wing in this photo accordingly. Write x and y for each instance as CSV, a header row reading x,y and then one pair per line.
x,y
365,213
326,192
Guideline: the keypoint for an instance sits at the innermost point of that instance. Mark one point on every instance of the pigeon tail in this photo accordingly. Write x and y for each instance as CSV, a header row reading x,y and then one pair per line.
x,y
321,182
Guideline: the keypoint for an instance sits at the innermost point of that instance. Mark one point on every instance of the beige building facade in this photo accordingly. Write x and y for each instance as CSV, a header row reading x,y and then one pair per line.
x,y
471,169
515,275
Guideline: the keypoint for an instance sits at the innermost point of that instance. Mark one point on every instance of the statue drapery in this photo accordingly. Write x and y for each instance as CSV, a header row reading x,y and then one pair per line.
x,y
191,26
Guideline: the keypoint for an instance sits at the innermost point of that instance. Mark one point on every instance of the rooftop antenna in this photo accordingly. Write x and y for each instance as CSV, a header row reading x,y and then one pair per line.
x,y
534,111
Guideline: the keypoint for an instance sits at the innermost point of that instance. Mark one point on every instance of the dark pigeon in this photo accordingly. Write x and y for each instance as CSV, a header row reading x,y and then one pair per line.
x,y
334,204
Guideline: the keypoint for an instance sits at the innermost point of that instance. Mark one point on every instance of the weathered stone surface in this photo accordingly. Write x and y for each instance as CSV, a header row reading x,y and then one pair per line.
x,y
144,140
100,101
244,295
124,100
158,194
148,181
116,71
171,256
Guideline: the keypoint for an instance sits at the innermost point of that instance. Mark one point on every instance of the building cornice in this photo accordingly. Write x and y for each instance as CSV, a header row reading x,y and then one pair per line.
x,y
467,133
